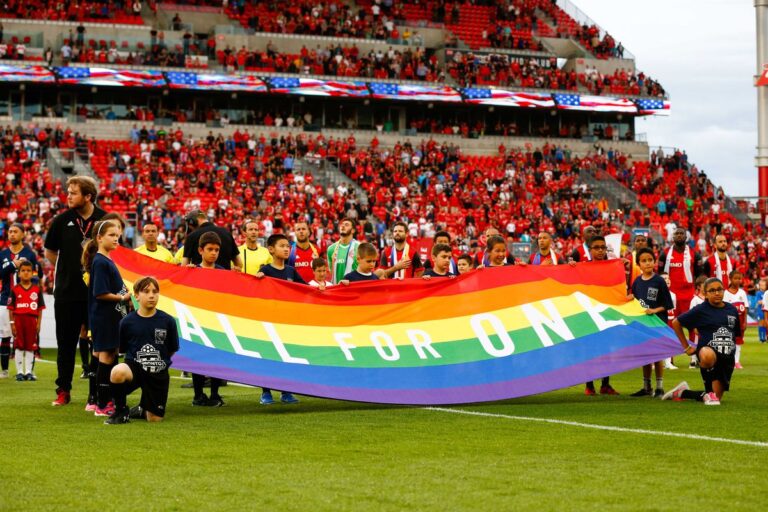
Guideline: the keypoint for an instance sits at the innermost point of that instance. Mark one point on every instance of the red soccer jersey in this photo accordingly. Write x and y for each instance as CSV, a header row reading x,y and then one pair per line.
x,y
26,301
679,283
301,259
723,269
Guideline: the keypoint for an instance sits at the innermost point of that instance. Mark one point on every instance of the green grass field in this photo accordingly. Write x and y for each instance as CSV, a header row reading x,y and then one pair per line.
x,y
327,455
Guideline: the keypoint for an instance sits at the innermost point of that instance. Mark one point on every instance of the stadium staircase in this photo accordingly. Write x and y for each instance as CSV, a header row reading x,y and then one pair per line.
x,y
473,20
328,175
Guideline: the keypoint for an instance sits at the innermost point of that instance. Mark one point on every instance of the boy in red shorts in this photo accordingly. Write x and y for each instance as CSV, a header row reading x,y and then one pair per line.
x,y
25,305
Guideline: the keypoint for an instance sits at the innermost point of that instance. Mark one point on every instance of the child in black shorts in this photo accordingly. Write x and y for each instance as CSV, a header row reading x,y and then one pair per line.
x,y
718,326
149,338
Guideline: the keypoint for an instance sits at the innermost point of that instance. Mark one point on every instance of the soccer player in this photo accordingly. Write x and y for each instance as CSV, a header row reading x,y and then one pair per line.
x,y
734,294
367,256
254,256
653,294
107,304
441,255
669,363
719,263
10,259
150,338
25,307
464,264
303,252
150,247
342,254
762,332
582,252
280,248
717,323
598,251
682,264
400,260
64,248
545,255
209,246
695,301
320,274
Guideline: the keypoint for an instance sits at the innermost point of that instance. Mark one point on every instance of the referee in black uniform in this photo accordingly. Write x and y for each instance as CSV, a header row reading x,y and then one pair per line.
x,y
64,248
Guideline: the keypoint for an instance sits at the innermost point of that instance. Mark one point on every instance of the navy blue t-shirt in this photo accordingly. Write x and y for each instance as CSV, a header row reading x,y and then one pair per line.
x,y
652,294
149,341
288,273
431,273
718,328
216,266
104,316
356,276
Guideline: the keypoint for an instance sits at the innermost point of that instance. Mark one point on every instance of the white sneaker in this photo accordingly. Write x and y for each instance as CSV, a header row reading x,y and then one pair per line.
x,y
711,399
669,366
675,392
4,374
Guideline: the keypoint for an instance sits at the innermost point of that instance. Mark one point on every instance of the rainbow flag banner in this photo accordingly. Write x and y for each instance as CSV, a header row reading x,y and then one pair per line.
x,y
488,335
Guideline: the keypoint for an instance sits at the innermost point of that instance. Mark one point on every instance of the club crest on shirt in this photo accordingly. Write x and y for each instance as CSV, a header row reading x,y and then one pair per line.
x,y
731,321
653,293
33,296
160,336
642,303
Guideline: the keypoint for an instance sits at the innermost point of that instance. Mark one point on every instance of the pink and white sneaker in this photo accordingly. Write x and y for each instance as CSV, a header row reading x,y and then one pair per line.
x,y
711,399
675,392
91,407
108,410
738,366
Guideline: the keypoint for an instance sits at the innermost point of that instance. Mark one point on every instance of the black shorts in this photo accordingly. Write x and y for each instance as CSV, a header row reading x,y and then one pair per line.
x,y
722,371
154,388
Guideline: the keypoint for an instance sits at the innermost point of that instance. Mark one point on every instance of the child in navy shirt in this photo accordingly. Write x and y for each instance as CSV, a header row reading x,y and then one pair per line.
x,y
108,300
652,292
280,248
367,256
441,255
718,326
150,338
209,246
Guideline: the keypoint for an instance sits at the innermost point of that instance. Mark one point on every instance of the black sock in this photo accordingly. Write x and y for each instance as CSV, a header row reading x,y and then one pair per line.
x,y
606,382
591,385
84,354
198,381
689,394
103,392
5,352
215,383
92,386
118,391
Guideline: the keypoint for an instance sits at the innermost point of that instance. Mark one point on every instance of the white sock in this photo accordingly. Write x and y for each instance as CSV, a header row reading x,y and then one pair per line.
x,y
738,353
668,362
29,361
694,359
19,361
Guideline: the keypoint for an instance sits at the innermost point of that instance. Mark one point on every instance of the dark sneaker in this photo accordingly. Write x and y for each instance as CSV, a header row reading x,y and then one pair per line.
x,y
137,413
118,418
288,398
215,401
642,392
201,401
608,390
266,399
659,393
30,376
19,377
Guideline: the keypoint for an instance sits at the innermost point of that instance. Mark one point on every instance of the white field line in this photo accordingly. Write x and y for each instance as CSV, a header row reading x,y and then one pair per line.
x,y
552,421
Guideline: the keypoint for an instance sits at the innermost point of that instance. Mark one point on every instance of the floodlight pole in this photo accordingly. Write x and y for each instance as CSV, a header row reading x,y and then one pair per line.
x,y
761,17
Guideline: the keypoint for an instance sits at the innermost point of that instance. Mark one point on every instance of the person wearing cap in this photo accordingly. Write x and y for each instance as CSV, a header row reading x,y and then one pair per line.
x,y
229,254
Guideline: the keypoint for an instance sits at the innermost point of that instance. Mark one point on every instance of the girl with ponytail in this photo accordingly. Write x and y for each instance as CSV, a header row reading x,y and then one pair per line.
x,y
107,305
